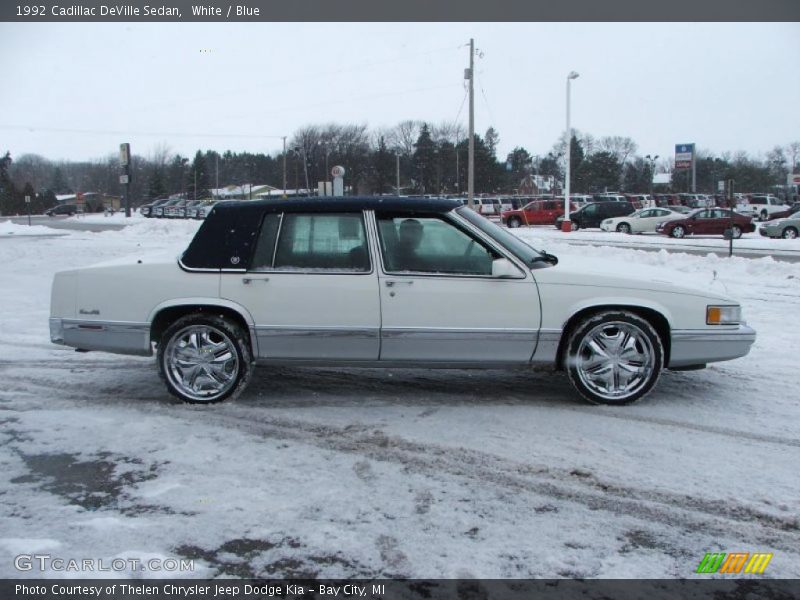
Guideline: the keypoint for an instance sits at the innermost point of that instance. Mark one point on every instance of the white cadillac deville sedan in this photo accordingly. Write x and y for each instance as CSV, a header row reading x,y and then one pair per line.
x,y
387,282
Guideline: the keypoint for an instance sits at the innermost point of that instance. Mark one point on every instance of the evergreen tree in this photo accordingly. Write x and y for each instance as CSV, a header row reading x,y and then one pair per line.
x,y
8,192
156,186
577,181
425,161
600,172
59,184
492,139
383,168
198,176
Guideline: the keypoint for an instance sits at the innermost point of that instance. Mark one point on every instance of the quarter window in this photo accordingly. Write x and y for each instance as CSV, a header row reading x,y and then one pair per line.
x,y
431,245
322,242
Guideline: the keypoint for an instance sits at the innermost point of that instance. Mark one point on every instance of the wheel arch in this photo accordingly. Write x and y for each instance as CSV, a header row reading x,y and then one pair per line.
x,y
651,314
166,313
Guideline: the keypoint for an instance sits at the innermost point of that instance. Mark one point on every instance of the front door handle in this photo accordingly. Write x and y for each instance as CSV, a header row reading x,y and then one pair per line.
x,y
249,280
392,283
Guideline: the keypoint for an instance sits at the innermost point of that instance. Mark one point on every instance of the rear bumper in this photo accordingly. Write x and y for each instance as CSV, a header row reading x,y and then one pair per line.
x,y
117,336
691,347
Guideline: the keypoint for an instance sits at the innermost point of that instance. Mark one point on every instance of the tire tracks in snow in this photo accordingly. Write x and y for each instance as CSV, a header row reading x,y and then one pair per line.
x,y
680,511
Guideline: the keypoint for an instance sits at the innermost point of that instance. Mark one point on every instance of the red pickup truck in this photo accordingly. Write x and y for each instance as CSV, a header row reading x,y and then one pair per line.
x,y
538,212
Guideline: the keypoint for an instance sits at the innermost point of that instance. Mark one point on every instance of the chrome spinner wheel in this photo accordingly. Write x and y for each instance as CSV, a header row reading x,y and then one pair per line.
x,y
614,357
201,362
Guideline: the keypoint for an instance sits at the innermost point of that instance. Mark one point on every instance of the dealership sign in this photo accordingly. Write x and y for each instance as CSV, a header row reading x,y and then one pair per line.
x,y
684,155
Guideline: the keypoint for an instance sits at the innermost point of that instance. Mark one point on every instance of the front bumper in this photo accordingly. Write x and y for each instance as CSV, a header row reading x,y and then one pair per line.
x,y
694,347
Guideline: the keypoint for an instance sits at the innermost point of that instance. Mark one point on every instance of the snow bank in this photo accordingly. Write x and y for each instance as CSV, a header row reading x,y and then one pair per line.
x,y
10,228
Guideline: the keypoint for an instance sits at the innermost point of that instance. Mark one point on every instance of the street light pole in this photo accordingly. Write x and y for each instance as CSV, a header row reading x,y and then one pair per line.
x,y
566,225
397,155
652,160
284,166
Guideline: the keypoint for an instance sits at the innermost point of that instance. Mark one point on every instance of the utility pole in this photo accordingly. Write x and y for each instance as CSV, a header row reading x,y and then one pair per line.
x,y
284,166
216,185
125,178
471,159
397,156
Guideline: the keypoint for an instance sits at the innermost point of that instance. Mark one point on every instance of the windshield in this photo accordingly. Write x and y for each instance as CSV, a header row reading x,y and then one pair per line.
x,y
508,240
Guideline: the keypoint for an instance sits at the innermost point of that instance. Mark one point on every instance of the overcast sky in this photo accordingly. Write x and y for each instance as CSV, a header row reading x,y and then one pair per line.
x,y
75,91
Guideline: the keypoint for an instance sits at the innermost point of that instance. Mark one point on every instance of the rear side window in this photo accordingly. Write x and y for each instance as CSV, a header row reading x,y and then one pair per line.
x,y
322,242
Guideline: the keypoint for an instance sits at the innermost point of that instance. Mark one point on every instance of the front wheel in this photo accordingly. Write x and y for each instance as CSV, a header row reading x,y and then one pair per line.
x,y
790,233
623,228
614,357
764,215
204,359
736,231
678,232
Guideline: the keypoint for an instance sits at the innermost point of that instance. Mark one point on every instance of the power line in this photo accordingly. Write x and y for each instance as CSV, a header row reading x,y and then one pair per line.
x,y
347,69
45,129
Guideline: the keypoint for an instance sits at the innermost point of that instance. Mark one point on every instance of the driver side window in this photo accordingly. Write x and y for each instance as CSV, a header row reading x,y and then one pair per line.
x,y
429,244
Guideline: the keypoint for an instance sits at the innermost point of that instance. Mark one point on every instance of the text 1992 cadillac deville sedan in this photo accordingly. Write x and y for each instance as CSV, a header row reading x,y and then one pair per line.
x,y
387,282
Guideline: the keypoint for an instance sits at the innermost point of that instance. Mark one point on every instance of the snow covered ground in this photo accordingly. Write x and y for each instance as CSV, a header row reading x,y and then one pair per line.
x,y
411,473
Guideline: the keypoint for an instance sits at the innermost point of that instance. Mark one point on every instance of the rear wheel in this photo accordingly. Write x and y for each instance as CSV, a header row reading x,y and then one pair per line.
x,y
573,226
764,215
736,231
204,359
623,228
614,357
789,233
678,231
514,222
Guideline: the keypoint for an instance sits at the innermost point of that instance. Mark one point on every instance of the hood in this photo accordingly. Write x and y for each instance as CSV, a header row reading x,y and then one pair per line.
x,y
611,274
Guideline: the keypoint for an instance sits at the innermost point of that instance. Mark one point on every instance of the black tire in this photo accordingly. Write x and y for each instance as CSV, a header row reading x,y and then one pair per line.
x,y
573,226
624,228
764,215
678,232
642,344
736,231
220,330
789,233
514,222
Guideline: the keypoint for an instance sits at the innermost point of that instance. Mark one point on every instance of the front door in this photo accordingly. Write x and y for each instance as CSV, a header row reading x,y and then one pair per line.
x,y
312,289
439,301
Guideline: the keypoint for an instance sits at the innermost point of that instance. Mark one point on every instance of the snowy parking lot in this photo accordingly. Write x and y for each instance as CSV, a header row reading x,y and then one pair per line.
x,y
403,473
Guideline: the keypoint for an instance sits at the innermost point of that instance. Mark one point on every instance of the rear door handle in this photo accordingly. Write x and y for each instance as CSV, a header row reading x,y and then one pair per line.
x,y
249,280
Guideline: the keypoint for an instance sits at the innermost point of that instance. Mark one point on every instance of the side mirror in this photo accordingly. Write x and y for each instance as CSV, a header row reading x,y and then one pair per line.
x,y
502,268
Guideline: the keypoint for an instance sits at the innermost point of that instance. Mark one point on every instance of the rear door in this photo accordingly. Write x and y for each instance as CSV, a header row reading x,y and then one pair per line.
x,y
311,289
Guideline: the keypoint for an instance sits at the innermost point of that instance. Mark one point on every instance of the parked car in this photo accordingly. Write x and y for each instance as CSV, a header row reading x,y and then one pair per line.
x,y
203,210
187,211
159,210
787,227
762,206
644,220
373,282
146,210
696,200
641,200
62,209
794,209
538,212
708,221
591,215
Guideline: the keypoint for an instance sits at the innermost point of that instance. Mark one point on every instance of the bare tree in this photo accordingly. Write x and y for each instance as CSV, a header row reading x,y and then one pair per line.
x,y
403,137
621,147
